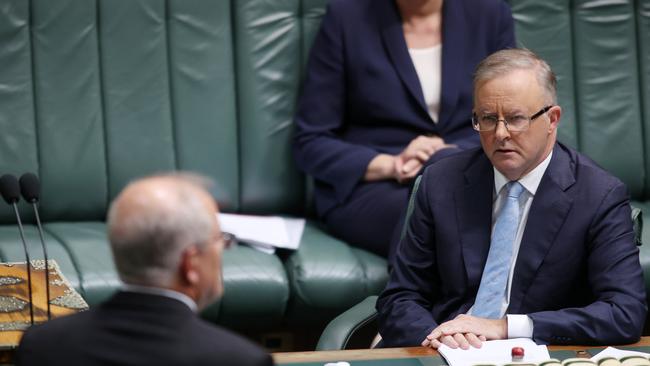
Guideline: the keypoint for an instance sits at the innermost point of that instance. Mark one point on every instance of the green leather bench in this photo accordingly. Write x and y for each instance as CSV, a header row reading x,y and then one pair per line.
x,y
96,93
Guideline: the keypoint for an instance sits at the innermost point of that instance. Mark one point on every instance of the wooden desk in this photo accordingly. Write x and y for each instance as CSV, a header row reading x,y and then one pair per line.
x,y
392,353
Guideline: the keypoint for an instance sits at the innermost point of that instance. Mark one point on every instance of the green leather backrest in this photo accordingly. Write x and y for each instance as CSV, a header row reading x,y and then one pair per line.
x,y
203,93
592,46
553,41
135,80
18,151
168,91
58,81
96,93
312,12
643,42
607,80
267,49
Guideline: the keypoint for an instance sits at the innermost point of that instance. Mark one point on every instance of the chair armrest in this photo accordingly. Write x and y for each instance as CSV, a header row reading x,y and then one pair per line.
x,y
338,332
637,224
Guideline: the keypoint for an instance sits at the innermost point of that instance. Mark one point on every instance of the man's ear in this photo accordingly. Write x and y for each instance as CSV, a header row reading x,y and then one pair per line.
x,y
554,115
189,265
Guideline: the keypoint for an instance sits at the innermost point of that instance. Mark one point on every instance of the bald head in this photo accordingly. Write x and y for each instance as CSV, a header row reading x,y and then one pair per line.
x,y
153,221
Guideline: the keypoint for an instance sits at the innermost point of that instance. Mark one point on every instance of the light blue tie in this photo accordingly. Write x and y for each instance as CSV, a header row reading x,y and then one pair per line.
x,y
495,275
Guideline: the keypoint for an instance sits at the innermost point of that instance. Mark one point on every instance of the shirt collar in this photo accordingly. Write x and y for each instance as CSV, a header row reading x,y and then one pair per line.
x,y
530,181
162,292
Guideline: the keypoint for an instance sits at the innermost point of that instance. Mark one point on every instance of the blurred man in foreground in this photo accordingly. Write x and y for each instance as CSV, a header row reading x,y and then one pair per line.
x,y
167,248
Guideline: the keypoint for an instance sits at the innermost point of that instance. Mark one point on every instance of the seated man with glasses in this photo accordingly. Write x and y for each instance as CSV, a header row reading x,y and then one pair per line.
x,y
522,238
167,248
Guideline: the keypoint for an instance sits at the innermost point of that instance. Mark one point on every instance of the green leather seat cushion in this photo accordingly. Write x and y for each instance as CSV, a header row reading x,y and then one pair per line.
x,y
256,285
327,274
256,290
11,250
87,246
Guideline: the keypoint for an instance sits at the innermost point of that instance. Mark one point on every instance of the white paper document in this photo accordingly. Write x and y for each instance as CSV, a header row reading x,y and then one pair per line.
x,y
495,352
617,353
264,233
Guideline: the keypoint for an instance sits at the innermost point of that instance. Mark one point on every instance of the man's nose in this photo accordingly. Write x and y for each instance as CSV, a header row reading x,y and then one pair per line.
x,y
501,131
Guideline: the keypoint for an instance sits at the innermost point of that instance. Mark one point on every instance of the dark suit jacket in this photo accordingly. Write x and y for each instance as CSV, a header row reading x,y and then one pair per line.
x,y
136,329
577,275
362,95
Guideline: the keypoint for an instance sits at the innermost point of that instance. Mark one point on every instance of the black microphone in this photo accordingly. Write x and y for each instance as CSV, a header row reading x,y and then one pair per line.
x,y
10,191
30,188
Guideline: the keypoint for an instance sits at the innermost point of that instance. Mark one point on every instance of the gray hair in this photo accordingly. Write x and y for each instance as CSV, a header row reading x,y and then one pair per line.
x,y
505,61
148,236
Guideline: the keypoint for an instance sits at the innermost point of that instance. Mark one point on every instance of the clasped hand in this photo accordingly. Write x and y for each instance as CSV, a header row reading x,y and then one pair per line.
x,y
465,331
409,162
406,165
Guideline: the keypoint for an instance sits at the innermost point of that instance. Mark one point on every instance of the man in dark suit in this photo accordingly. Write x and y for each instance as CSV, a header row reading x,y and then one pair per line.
x,y
524,238
368,118
167,248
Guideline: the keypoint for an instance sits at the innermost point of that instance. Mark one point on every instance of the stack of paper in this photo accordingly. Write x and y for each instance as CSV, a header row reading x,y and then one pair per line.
x,y
495,352
265,233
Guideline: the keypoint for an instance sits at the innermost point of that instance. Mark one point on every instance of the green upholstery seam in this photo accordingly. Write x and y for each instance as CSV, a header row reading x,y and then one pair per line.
x,y
642,82
170,85
33,82
102,104
73,259
574,68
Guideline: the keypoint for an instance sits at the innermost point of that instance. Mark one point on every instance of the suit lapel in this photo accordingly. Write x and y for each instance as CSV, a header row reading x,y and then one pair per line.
x,y
474,215
393,38
453,37
545,219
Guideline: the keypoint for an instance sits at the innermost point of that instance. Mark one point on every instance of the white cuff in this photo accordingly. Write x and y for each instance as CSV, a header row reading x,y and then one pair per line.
x,y
519,326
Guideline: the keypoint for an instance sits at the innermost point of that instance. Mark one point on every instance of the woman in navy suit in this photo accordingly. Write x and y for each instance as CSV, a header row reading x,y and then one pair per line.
x,y
388,89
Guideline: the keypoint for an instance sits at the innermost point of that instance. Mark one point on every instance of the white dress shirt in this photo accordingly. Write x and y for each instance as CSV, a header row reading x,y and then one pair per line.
x,y
519,325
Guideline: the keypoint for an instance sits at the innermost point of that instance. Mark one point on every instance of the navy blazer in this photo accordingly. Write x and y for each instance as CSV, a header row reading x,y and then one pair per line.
x,y
577,275
136,329
362,95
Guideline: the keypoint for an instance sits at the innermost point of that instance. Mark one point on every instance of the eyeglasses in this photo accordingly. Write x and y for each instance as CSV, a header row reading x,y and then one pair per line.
x,y
229,240
517,122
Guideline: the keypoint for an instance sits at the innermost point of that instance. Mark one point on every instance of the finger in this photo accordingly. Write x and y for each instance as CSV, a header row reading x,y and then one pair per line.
x,y
423,156
462,342
482,338
435,344
449,341
435,142
473,340
435,334
411,174
410,166
425,342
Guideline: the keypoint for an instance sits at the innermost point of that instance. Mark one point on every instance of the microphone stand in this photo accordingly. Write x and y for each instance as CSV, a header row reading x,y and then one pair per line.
x,y
47,269
29,270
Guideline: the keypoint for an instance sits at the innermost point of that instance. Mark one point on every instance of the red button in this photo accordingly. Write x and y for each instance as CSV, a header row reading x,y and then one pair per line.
x,y
517,353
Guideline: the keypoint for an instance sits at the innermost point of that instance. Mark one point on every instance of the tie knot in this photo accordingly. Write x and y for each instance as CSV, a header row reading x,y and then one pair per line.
x,y
515,189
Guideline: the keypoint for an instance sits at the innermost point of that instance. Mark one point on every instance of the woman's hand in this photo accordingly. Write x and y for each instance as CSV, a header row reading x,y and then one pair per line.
x,y
407,164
